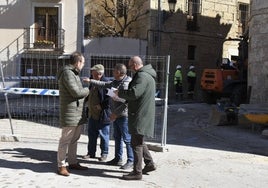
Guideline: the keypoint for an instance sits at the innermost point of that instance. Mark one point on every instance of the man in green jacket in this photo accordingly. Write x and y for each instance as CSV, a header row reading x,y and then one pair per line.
x,y
191,78
71,94
140,96
178,83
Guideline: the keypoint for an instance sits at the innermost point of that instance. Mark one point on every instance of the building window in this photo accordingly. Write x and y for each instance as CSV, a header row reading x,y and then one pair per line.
x,y
121,8
243,16
193,9
155,38
46,24
191,52
87,26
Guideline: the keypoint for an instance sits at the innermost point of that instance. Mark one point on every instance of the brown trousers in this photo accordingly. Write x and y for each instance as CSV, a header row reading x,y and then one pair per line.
x,y
141,152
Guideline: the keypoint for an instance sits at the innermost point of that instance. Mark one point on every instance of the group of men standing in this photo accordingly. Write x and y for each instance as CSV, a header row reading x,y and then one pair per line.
x,y
178,82
131,110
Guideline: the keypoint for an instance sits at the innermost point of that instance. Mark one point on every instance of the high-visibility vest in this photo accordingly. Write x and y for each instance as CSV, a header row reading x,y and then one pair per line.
x,y
191,74
178,77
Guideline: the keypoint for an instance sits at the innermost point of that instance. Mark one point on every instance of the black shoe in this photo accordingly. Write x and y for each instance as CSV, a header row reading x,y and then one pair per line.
x,y
103,158
132,176
149,168
77,166
126,166
88,156
115,162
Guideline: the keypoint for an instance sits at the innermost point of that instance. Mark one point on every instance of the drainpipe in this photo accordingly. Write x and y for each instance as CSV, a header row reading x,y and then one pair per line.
x,y
159,23
81,12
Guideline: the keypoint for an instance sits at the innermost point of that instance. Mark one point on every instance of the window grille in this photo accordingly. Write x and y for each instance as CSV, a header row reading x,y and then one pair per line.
x,y
87,25
243,15
193,7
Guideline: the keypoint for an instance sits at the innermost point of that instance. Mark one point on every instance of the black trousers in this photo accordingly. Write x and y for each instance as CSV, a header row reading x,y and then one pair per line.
x,y
141,152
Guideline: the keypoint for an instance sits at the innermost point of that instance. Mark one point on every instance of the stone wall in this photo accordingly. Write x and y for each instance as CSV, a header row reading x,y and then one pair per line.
x,y
217,21
258,48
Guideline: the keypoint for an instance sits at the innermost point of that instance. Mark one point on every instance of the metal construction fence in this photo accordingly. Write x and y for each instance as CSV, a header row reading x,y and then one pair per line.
x,y
31,93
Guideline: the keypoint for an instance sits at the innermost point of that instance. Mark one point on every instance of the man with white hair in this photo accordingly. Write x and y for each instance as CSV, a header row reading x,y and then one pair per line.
x,y
99,116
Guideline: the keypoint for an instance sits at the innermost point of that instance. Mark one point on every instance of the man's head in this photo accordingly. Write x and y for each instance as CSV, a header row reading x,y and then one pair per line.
x,y
78,60
97,71
178,67
120,70
135,63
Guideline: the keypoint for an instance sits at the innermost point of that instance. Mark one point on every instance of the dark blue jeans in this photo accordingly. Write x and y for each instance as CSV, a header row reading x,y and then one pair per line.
x,y
121,135
95,129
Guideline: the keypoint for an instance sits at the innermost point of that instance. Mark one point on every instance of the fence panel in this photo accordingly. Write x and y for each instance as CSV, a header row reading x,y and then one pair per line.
x,y
34,96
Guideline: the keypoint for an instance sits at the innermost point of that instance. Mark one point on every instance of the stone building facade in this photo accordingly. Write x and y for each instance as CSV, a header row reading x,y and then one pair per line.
x,y
258,48
193,34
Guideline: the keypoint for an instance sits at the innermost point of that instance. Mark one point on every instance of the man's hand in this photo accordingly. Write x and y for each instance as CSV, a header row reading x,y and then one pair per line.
x,y
86,79
98,107
113,117
116,92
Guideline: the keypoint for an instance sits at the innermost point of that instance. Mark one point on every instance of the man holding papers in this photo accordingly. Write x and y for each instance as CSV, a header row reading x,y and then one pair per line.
x,y
119,115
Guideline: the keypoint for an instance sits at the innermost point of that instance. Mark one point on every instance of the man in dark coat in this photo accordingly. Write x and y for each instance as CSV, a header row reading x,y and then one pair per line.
x,y
140,96
99,116
72,95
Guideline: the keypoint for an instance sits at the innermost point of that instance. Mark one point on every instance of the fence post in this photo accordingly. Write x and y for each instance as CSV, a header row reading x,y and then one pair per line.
x,y
6,98
164,130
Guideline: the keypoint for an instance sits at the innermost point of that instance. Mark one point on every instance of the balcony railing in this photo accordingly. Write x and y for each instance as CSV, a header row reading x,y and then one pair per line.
x,y
44,39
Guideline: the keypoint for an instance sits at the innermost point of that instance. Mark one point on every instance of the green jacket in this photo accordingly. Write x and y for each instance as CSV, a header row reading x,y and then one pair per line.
x,y
140,96
191,74
71,97
178,77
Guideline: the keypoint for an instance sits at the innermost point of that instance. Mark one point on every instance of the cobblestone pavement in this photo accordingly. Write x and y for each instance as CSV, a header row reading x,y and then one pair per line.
x,y
197,155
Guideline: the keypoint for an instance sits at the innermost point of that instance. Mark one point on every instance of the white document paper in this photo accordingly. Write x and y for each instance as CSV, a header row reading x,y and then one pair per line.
x,y
114,96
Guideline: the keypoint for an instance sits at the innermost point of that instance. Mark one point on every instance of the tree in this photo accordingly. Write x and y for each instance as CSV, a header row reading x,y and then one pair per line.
x,y
114,17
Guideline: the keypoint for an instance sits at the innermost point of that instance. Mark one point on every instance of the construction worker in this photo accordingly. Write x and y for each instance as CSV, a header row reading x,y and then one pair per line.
x,y
178,82
191,79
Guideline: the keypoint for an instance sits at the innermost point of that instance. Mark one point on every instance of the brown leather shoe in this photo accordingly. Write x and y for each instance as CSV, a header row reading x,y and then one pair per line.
x,y
63,171
77,166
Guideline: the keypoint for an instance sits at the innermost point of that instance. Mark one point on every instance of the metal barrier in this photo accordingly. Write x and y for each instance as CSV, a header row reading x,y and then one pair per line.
x,y
33,94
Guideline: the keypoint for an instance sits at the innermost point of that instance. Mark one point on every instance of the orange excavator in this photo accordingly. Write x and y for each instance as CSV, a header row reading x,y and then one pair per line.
x,y
227,81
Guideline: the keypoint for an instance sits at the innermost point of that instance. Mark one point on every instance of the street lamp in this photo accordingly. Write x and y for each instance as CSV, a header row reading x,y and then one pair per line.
x,y
162,17
172,4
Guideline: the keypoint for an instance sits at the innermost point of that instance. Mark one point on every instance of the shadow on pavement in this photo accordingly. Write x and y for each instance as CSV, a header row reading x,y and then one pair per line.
x,y
44,161
188,124
33,159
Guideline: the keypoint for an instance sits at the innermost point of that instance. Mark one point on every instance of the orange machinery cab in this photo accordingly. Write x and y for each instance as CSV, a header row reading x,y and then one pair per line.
x,y
215,79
